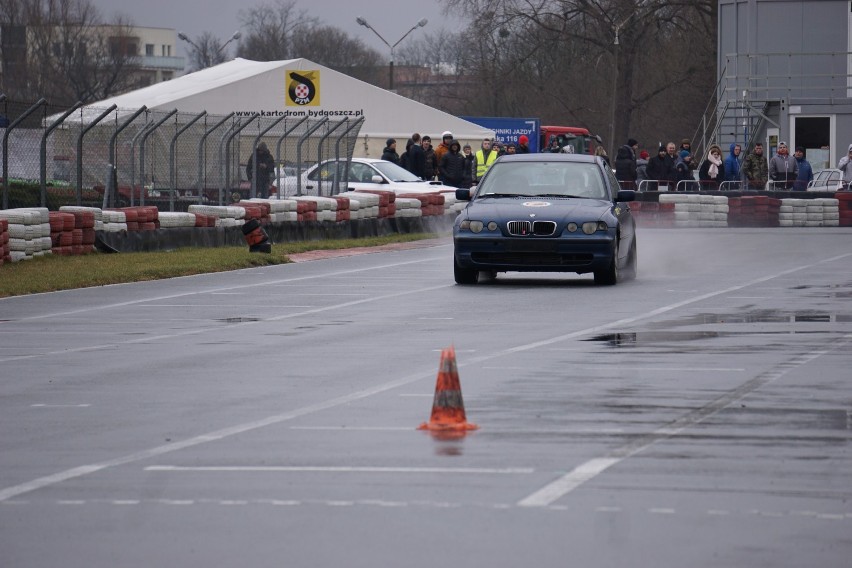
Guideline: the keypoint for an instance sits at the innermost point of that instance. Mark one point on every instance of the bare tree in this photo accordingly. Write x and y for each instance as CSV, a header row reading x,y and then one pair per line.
x,y
598,61
270,30
68,53
334,48
205,51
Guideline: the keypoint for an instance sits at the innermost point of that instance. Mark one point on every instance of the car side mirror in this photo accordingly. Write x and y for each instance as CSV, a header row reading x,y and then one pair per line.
x,y
463,194
625,195
377,179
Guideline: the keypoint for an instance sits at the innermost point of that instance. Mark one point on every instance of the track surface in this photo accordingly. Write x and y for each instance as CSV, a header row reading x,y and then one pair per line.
x,y
698,416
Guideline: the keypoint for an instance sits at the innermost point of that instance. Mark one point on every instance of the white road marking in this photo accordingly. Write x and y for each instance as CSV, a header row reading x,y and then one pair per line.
x,y
587,471
661,511
60,405
342,469
357,428
46,481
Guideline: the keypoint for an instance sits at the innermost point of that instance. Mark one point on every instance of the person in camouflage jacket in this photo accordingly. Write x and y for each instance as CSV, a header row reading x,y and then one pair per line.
x,y
755,168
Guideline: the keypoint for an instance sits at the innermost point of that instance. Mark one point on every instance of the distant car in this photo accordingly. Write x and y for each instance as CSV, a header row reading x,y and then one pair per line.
x,y
546,213
363,173
827,180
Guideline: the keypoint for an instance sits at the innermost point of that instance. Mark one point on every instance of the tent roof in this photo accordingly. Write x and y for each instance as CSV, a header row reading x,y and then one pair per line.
x,y
248,86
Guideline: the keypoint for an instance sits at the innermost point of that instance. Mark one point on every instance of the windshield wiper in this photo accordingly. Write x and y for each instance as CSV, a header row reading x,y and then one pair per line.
x,y
559,195
503,195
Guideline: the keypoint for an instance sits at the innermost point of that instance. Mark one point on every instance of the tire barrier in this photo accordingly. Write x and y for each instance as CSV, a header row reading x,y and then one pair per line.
x,y
407,207
844,203
5,255
114,221
820,212
364,203
754,211
27,233
256,237
691,210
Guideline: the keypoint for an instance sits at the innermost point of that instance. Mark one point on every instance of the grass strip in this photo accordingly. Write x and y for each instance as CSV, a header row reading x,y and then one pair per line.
x,y
51,273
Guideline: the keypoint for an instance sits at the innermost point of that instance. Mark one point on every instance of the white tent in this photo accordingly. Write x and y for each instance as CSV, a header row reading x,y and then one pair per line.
x,y
270,88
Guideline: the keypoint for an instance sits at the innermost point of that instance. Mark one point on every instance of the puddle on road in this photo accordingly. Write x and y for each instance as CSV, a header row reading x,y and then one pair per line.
x,y
238,320
639,338
841,291
759,316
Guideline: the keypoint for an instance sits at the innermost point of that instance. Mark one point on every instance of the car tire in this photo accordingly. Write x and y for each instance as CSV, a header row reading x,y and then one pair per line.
x,y
610,276
632,269
464,275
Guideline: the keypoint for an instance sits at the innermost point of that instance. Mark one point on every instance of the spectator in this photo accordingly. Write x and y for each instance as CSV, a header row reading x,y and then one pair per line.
x,y
712,170
625,166
806,172
523,145
641,168
265,169
497,147
732,164
403,158
659,169
452,166
511,149
671,159
430,167
553,147
444,146
683,172
484,159
843,165
685,144
600,152
469,166
783,168
416,157
389,152
4,121
755,168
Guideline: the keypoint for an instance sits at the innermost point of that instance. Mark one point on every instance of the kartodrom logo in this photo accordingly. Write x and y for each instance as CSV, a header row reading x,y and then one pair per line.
x,y
303,88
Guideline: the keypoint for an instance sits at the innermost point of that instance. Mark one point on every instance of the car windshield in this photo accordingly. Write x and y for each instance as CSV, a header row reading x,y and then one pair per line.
x,y
395,173
544,179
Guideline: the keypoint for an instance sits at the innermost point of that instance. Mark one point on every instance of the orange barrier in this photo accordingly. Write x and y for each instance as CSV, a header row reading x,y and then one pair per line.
x,y
448,406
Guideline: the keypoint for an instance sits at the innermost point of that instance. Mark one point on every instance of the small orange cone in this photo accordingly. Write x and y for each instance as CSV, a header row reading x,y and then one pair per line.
x,y
448,406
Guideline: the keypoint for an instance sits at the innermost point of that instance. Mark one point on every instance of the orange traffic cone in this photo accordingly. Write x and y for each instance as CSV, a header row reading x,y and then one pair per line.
x,y
448,406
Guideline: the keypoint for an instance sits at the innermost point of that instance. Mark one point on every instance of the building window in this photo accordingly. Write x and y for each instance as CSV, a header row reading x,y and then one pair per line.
x,y
149,49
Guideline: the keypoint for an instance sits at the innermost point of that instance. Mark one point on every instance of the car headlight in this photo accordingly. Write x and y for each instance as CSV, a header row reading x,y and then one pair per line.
x,y
590,227
492,226
476,226
572,227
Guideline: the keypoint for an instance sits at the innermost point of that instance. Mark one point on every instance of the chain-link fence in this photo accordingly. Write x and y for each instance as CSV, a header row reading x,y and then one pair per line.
x,y
110,157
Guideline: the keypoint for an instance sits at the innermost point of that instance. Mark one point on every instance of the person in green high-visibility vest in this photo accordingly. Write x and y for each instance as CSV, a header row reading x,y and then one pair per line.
x,y
483,159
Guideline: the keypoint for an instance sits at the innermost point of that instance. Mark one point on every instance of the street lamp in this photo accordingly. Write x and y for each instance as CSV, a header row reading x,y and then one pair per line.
x,y
361,21
207,59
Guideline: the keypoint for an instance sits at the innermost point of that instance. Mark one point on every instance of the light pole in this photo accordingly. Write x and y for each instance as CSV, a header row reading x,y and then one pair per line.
x,y
361,21
206,58
615,52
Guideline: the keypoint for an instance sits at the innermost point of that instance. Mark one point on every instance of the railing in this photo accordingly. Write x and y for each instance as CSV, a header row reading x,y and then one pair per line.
x,y
142,156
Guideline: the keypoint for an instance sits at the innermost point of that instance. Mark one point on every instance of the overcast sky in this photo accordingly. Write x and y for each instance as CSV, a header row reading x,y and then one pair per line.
x,y
391,18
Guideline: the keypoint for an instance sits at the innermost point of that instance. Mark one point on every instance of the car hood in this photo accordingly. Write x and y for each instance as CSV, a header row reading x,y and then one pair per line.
x,y
415,187
544,209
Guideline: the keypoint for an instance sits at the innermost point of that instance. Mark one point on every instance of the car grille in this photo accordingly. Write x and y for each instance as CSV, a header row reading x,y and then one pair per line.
x,y
525,228
532,258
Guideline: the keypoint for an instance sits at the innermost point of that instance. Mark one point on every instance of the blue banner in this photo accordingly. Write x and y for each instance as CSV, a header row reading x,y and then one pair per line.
x,y
509,130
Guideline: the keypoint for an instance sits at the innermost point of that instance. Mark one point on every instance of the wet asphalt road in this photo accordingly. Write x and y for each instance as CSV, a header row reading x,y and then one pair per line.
x,y
699,416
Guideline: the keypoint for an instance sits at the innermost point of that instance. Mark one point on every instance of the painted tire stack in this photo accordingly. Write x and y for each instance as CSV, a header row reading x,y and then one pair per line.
x,y
306,208
4,242
113,221
387,207
754,211
698,210
280,210
367,203
653,214
844,203
29,232
408,207
259,210
176,219
226,216
62,232
343,211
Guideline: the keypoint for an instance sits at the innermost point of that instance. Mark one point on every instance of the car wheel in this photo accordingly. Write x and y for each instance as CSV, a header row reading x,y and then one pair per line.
x,y
610,276
632,269
464,275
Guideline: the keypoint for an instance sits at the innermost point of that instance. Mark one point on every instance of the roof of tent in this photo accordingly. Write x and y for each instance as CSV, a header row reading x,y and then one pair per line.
x,y
270,88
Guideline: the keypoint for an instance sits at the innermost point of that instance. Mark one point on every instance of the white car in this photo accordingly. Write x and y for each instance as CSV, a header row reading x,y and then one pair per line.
x,y
364,173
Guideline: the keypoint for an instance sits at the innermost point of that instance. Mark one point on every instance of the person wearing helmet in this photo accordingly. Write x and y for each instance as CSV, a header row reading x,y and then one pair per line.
x,y
443,147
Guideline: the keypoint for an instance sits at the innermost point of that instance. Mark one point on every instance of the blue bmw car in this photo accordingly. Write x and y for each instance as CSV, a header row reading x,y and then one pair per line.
x,y
546,213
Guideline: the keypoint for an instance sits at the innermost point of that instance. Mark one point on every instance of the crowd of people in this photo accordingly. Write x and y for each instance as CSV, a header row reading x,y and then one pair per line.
x,y
450,162
674,167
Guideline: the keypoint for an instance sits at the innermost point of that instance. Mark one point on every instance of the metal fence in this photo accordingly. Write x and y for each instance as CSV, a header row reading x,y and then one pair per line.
x,y
111,157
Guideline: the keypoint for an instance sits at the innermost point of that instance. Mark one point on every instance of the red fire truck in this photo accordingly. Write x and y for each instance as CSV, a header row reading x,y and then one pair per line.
x,y
580,140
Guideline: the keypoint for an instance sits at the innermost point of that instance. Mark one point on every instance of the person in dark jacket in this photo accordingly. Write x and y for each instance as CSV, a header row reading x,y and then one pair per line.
x,y
683,172
389,152
453,166
806,172
659,169
430,166
416,157
712,170
523,145
265,169
403,158
625,167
